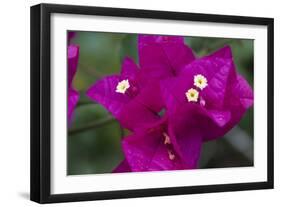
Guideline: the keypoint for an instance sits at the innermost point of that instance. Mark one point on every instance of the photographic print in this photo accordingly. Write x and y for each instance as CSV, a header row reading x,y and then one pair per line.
x,y
132,103
141,102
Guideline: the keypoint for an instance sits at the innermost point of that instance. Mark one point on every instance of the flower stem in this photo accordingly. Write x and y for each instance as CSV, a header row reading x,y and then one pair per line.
x,y
91,125
85,103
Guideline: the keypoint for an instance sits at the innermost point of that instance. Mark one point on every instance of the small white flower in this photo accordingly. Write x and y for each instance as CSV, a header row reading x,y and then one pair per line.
x,y
122,86
167,138
192,95
171,155
200,81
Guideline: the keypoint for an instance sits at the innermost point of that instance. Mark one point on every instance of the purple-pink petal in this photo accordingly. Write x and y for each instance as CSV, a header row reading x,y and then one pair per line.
x,y
72,61
163,56
122,167
186,141
73,97
135,115
129,69
103,92
72,57
145,151
244,90
224,52
70,36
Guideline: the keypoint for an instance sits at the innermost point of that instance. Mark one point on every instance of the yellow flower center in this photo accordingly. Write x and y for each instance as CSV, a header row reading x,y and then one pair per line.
x,y
122,86
200,81
192,95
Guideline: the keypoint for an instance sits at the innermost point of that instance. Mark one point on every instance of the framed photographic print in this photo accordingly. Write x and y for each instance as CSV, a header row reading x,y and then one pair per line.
x,y
133,103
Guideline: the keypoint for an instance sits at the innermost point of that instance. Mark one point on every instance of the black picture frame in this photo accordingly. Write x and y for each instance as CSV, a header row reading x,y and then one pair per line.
x,y
41,98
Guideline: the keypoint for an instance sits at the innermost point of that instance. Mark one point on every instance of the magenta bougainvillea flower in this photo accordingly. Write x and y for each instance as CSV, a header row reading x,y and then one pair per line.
x,y
125,94
218,96
162,56
120,94
202,99
72,61
164,145
202,103
122,167
70,36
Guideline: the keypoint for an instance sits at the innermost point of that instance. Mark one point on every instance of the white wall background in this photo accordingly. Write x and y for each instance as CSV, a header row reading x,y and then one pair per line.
x,y
14,102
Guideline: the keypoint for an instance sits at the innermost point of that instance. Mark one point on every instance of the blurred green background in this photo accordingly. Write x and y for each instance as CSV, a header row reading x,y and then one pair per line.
x,y
94,136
